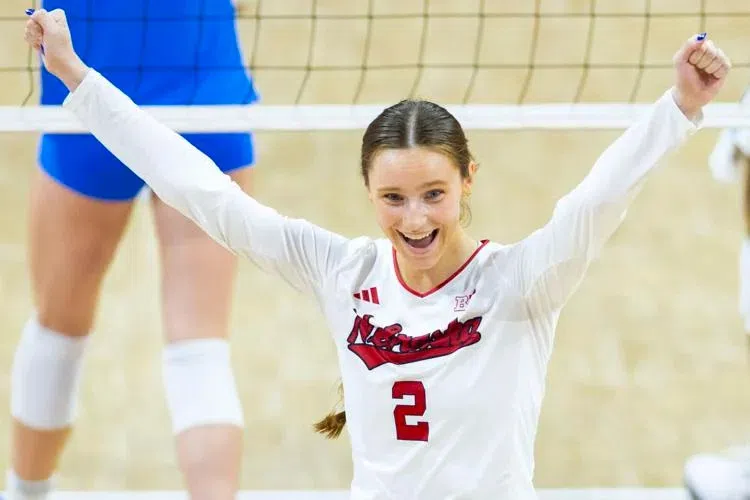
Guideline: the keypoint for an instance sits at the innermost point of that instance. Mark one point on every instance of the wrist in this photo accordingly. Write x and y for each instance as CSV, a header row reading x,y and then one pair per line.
x,y
72,74
690,109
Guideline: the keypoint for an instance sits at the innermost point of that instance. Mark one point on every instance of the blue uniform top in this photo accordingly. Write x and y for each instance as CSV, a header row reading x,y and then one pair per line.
x,y
159,52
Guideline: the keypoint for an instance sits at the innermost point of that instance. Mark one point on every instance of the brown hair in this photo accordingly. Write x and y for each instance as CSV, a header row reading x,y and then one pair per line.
x,y
408,124
332,424
411,124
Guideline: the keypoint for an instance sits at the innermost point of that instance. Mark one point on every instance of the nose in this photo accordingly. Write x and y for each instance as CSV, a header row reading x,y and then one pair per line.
x,y
414,218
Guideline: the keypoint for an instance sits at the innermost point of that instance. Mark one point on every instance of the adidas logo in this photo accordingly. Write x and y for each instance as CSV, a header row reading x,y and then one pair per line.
x,y
370,295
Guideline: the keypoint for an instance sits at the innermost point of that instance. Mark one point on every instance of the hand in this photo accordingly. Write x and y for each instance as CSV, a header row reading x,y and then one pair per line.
x,y
702,69
48,33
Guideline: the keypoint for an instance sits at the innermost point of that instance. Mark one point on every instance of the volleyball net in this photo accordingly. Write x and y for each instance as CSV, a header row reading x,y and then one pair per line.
x,y
334,64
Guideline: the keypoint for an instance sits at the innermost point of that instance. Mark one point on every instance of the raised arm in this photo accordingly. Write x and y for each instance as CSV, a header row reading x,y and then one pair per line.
x,y
181,175
553,260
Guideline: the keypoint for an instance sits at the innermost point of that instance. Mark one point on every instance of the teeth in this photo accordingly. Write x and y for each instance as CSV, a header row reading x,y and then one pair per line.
x,y
418,237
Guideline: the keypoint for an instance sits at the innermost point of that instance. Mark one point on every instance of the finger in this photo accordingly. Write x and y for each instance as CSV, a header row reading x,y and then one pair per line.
x,y
714,66
691,45
698,52
718,62
33,27
44,19
723,70
709,54
32,31
721,73
58,15
34,41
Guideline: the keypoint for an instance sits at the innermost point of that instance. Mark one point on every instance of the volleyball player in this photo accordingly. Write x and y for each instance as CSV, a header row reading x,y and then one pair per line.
x,y
725,475
443,340
160,52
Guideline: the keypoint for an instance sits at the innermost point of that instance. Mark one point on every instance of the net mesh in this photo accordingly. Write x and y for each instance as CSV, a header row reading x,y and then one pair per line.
x,y
495,63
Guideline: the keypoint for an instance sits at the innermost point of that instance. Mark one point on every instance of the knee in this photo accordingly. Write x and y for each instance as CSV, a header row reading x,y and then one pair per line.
x,y
45,377
199,385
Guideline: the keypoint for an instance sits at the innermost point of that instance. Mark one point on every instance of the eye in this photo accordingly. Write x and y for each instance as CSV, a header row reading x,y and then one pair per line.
x,y
393,197
434,194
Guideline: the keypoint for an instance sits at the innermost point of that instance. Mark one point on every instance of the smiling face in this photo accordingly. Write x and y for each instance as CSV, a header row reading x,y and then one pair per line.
x,y
417,195
417,168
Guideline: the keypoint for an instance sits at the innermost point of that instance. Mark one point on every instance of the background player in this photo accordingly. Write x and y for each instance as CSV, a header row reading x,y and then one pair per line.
x,y
726,476
175,52
466,376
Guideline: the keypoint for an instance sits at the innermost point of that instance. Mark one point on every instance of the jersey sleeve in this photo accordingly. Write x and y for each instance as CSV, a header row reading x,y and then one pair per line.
x,y
188,180
552,260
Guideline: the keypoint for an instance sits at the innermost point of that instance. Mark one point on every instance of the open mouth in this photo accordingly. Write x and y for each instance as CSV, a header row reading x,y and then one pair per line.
x,y
420,243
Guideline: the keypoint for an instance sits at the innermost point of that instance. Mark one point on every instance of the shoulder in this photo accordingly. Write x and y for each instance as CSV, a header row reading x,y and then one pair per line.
x,y
362,255
492,252
360,252
499,261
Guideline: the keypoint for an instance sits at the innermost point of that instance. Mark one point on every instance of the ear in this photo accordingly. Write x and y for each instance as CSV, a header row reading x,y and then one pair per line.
x,y
469,181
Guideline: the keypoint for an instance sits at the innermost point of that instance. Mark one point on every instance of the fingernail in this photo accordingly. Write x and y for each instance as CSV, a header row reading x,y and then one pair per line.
x,y
702,36
29,12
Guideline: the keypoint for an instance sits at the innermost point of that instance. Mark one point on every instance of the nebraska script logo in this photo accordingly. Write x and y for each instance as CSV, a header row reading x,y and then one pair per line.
x,y
376,346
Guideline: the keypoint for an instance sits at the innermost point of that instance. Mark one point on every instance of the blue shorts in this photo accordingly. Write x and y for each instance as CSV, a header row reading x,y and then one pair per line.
x,y
81,163
160,52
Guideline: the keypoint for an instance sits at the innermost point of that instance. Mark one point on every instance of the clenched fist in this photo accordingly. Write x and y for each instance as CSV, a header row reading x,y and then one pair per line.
x,y
48,33
702,69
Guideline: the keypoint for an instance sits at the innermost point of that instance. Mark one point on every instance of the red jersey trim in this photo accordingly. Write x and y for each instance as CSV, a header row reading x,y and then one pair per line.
x,y
441,285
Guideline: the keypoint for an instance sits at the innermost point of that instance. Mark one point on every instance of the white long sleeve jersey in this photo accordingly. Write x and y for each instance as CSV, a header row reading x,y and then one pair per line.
x,y
442,389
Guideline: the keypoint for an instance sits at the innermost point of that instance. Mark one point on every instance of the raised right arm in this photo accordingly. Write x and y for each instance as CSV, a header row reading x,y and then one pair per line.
x,y
188,180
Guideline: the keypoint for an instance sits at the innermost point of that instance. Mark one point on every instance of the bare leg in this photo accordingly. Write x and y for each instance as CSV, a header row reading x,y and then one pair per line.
x,y
72,242
197,283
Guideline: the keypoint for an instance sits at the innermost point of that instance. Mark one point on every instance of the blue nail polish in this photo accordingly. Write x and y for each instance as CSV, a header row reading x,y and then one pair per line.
x,y
702,36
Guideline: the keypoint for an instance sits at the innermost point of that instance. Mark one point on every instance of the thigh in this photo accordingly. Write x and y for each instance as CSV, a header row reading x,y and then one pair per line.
x,y
72,239
197,273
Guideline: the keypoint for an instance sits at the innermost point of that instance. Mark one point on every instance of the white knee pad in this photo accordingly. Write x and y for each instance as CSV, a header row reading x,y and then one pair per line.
x,y
45,377
199,384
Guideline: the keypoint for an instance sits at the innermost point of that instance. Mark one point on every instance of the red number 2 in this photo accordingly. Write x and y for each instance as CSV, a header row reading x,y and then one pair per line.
x,y
419,431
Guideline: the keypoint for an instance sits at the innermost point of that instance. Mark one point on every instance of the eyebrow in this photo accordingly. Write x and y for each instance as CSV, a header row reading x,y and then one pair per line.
x,y
426,185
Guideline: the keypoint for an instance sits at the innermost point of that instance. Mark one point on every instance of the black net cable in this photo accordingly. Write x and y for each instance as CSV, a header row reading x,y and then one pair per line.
x,y
197,65
642,55
310,50
30,73
256,38
366,51
474,64
422,45
144,37
477,53
532,53
587,54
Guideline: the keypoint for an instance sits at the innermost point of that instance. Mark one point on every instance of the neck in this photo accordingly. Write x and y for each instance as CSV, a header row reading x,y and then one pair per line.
x,y
454,256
